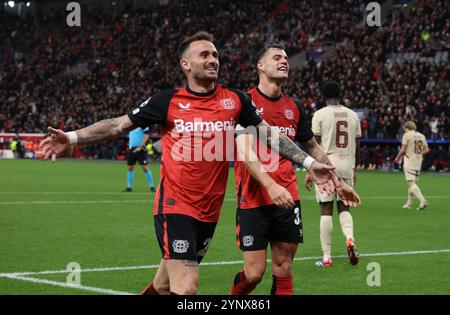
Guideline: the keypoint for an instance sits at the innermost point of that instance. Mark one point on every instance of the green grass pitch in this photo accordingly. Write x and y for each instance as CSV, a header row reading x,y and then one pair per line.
x,y
52,214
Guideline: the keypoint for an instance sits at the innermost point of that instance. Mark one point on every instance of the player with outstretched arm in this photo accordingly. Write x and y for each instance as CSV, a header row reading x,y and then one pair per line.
x,y
191,189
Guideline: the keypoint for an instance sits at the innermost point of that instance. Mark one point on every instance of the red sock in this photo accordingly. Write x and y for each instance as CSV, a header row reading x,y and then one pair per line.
x,y
150,290
241,286
282,285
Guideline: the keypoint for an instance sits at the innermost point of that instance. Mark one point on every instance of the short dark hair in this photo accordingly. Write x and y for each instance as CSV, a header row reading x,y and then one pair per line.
x,y
202,35
265,49
331,89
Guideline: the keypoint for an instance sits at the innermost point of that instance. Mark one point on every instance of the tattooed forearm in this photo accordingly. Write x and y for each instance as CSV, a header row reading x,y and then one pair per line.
x,y
324,159
291,151
104,130
286,148
315,150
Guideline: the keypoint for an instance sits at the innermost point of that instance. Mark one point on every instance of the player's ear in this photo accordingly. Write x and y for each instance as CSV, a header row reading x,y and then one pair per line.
x,y
185,65
260,66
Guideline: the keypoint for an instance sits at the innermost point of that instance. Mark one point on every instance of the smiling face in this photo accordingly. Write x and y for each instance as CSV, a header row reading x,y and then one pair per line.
x,y
200,61
274,64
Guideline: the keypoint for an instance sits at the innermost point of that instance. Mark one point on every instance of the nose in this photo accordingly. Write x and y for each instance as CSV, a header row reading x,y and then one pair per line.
x,y
213,60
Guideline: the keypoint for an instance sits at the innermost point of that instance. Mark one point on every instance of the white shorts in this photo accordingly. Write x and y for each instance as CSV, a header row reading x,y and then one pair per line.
x,y
324,197
411,175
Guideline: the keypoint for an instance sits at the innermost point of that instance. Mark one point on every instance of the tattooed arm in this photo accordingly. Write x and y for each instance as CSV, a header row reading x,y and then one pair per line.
x,y
152,111
289,150
286,148
104,130
315,150
347,194
321,169
101,131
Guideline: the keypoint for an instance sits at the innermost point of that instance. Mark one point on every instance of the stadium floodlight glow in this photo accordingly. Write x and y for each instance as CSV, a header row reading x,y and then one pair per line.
x,y
11,4
28,4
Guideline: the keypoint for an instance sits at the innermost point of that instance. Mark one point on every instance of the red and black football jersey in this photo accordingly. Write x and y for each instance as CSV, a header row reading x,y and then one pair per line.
x,y
288,116
191,184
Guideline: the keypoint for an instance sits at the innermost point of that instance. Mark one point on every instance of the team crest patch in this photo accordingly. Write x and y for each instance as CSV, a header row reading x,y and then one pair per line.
x,y
227,103
289,114
247,240
180,246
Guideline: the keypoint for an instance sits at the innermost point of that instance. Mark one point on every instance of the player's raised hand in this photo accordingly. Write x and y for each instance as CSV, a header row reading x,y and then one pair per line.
x,y
280,196
348,196
55,144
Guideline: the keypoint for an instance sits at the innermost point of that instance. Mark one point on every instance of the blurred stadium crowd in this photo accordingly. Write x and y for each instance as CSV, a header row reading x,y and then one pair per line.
x,y
69,77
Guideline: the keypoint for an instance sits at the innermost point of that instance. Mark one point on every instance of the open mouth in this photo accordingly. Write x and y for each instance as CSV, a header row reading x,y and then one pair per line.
x,y
283,69
211,68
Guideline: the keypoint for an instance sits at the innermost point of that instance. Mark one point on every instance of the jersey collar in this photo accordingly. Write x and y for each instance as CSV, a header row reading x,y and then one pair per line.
x,y
188,89
273,99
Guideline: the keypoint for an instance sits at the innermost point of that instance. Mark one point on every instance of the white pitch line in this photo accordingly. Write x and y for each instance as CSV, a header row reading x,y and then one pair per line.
x,y
20,276
46,202
49,272
68,193
216,263
71,286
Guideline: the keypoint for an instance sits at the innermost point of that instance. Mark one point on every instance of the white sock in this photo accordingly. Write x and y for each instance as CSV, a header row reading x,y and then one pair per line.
x,y
346,224
416,191
326,227
410,197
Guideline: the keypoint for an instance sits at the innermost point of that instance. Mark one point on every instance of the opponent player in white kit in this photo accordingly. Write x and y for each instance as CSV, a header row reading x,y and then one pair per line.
x,y
414,146
337,129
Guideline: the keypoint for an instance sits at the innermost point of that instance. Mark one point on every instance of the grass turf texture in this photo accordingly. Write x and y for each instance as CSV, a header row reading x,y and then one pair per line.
x,y
74,211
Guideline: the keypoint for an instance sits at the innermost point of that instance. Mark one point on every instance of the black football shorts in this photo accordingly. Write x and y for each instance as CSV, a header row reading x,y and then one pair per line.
x,y
256,227
140,157
183,237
